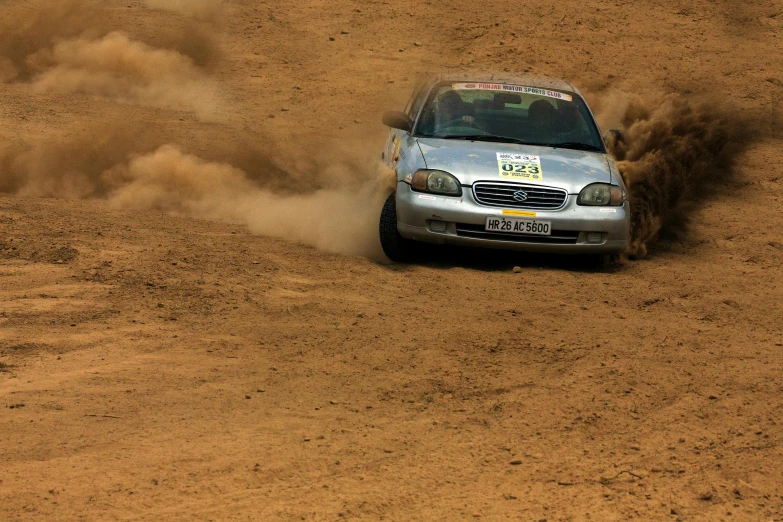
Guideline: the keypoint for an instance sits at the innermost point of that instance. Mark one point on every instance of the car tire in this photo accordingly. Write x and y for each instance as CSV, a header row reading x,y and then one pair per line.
x,y
396,247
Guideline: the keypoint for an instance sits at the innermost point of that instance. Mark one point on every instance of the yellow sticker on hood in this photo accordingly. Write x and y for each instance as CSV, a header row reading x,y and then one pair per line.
x,y
524,167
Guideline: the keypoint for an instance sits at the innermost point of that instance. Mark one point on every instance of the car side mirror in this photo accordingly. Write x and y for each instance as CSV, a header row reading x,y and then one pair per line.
x,y
397,120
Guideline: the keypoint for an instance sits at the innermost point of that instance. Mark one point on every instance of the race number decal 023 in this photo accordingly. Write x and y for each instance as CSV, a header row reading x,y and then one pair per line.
x,y
520,166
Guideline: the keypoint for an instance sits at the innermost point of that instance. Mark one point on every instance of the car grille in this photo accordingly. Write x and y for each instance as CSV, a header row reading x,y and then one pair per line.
x,y
558,237
502,195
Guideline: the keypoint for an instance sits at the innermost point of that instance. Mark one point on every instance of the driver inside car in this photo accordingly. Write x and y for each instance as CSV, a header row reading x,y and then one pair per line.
x,y
541,116
452,108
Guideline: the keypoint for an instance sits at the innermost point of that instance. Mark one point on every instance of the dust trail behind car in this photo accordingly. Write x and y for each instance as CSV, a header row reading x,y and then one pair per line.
x,y
328,200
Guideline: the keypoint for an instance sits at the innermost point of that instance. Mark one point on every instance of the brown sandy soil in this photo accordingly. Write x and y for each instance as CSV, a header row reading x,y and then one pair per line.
x,y
161,367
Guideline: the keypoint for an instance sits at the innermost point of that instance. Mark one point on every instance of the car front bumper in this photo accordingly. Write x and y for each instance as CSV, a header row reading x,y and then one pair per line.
x,y
460,221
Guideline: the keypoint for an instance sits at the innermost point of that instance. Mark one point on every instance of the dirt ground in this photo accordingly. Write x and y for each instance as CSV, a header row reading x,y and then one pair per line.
x,y
165,363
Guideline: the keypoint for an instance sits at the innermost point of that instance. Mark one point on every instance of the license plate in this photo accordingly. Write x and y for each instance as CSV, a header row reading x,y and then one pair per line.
x,y
518,226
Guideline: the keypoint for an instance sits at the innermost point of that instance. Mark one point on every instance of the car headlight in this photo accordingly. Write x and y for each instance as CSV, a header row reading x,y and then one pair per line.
x,y
436,182
602,194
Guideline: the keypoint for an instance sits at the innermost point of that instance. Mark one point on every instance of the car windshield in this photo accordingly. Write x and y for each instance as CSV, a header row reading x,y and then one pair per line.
x,y
512,113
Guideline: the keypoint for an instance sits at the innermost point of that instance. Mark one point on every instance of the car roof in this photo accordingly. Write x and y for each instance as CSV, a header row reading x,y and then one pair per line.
x,y
527,79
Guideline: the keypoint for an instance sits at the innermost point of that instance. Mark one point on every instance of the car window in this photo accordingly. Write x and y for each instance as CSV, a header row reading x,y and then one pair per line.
x,y
409,105
415,103
519,113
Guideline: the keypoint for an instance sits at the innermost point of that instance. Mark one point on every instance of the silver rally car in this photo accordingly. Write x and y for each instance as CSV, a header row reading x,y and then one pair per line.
x,y
513,163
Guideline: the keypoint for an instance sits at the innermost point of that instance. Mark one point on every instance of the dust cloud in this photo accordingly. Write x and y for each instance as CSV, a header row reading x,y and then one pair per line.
x,y
670,151
124,70
27,30
46,34
338,214
340,220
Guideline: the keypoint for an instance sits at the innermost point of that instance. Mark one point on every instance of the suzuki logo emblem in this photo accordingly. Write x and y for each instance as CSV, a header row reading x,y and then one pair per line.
x,y
520,195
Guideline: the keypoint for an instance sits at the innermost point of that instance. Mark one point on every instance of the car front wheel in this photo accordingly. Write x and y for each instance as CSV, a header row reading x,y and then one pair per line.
x,y
396,247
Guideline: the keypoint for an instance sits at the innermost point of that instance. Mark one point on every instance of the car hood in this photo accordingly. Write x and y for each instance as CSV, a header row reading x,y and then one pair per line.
x,y
472,161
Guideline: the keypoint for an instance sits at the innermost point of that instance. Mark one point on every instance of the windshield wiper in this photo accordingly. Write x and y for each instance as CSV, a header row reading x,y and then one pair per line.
x,y
505,139
481,137
576,145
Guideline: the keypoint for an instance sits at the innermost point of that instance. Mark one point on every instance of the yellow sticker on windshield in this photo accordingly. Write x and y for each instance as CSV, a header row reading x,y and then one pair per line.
x,y
520,166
